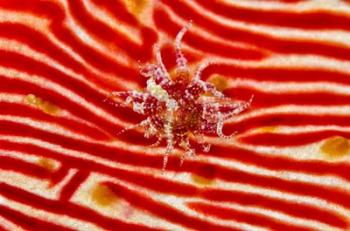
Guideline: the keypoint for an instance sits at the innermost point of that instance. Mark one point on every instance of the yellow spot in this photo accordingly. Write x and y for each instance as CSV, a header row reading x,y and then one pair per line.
x,y
200,180
47,164
49,108
136,7
103,196
268,129
336,147
31,99
219,81
43,105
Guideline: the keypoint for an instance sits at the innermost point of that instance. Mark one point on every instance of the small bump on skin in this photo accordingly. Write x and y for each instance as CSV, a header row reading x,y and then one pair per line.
x,y
136,7
202,181
178,106
47,164
103,196
41,104
335,147
219,82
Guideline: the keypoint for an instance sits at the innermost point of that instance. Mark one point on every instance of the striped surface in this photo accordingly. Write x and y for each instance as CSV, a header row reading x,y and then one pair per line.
x,y
62,166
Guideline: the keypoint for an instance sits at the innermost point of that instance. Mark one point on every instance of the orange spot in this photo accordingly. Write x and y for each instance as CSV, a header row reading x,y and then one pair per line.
x,y
49,108
103,196
136,7
336,147
200,180
268,129
205,174
43,105
219,81
47,164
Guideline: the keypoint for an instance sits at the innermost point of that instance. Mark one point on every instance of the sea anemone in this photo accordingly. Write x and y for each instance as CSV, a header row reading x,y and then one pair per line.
x,y
179,107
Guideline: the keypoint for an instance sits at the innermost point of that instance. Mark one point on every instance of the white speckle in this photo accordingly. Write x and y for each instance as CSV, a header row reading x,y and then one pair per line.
x,y
156,90
139,107
128,100
171,104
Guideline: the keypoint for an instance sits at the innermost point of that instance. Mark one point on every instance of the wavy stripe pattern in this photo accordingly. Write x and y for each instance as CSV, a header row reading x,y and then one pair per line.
x,y
63,167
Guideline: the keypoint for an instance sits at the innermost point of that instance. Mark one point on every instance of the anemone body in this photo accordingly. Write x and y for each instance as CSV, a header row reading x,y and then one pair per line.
x,y
180,107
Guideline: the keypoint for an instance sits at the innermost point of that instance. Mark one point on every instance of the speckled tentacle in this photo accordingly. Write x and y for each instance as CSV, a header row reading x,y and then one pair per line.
x,y
189,151
205,86
236,108
143,123
160,62
181,61
168,132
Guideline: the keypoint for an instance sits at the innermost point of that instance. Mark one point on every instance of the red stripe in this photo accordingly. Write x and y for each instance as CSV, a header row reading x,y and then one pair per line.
x,y
241,216
67,208
233,175
59,175
315,167
56,14
42,8
289,207
69,189
278,74
29,222
39,42
118,10
286,119
286,46
271,99
163,22
60,101
102,31
310,20
3,229
281,163
274,163
30,66
165,186
77,127
163,210
104,126
290,140
14,164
